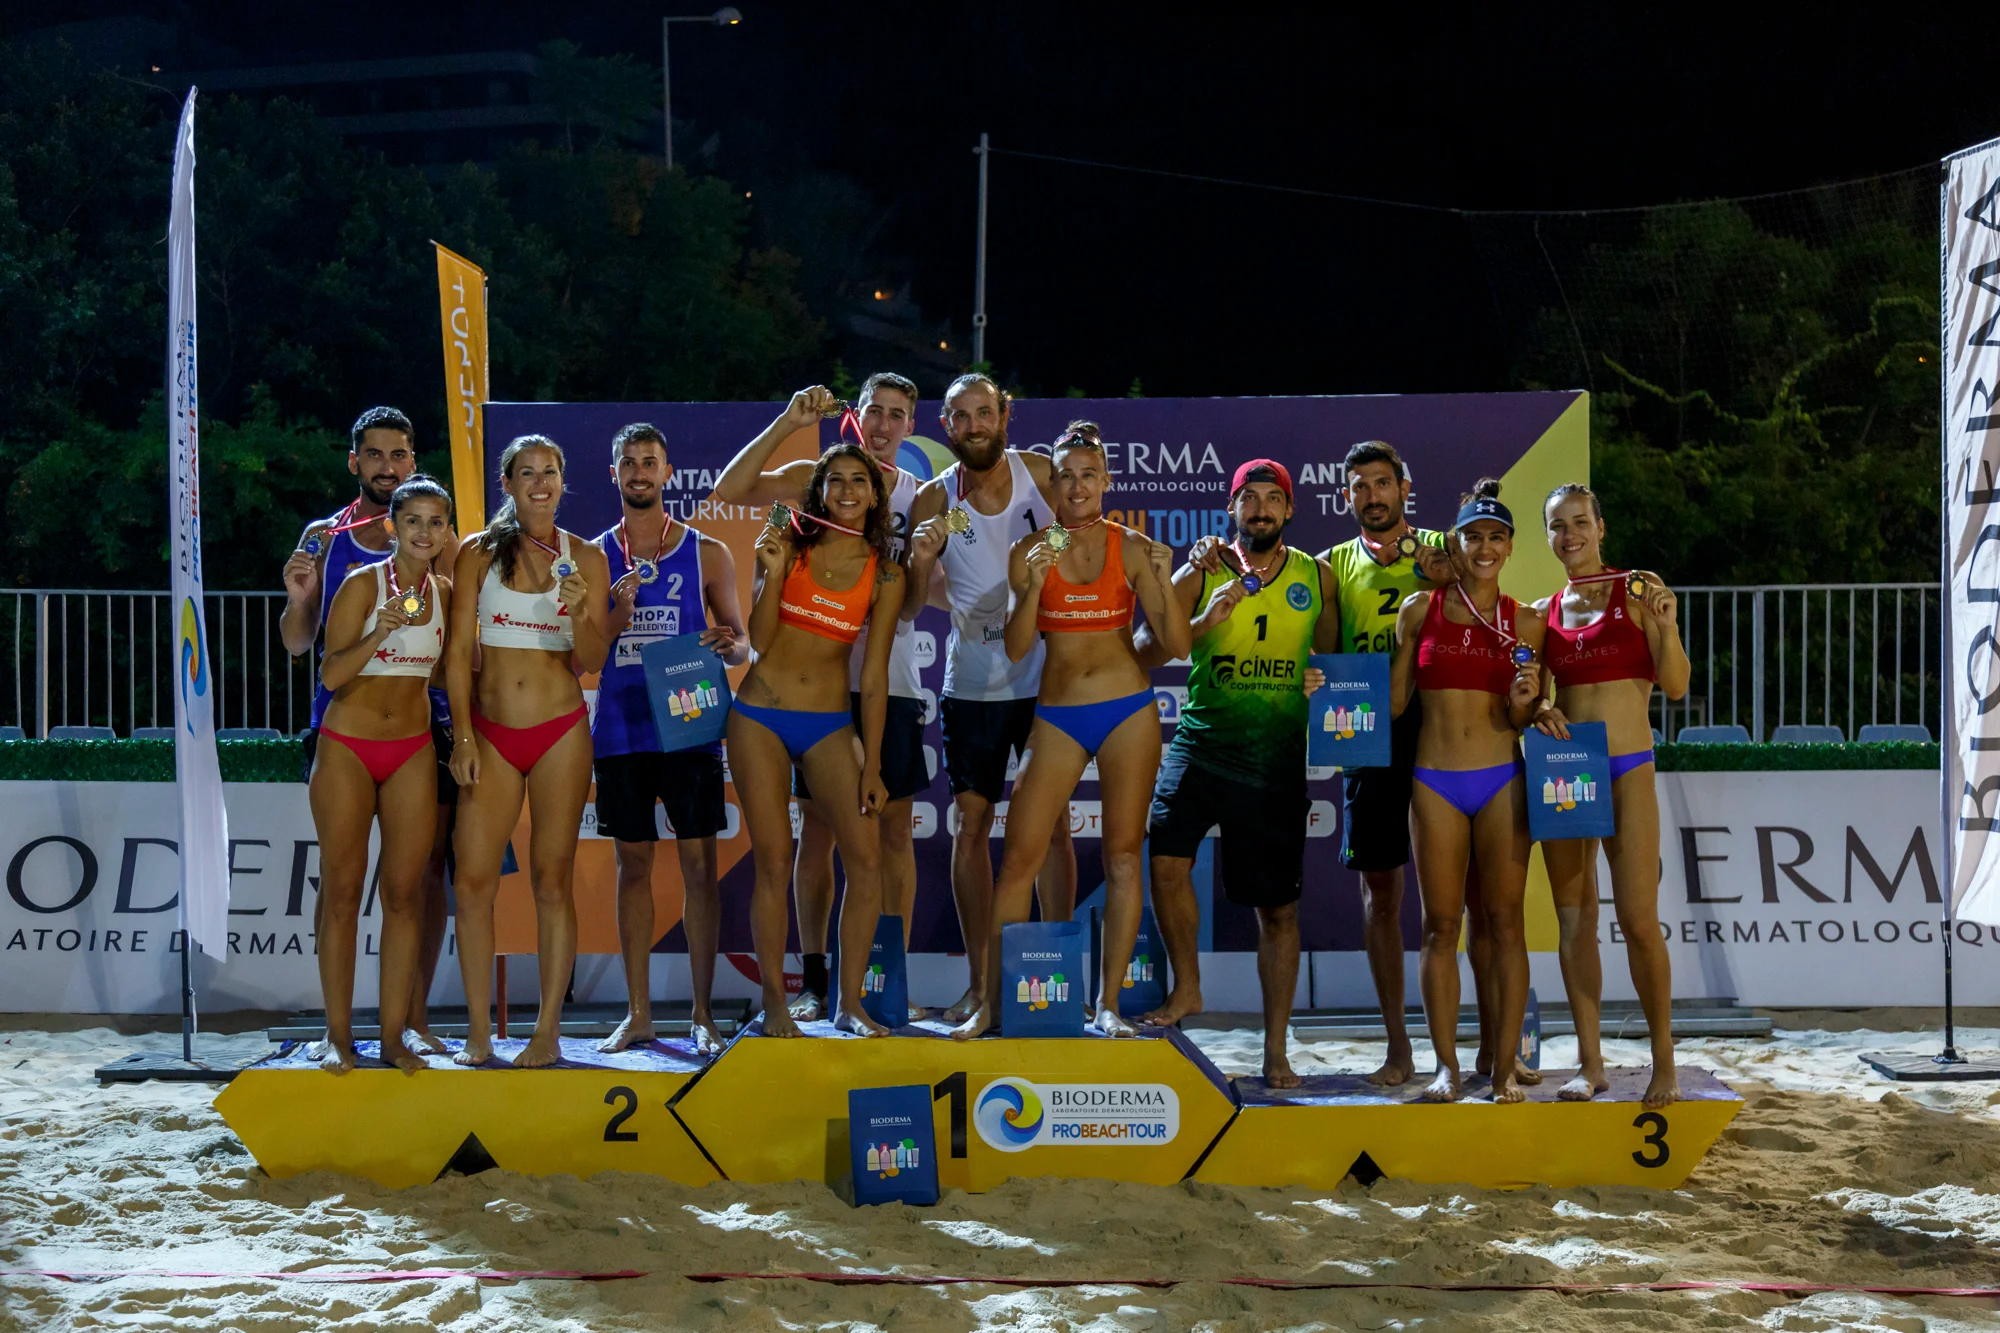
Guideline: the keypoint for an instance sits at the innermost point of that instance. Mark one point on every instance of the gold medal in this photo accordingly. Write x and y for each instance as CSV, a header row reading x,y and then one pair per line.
x,y
958,521
834,409
1636,586
1407,546
1058,538
412,604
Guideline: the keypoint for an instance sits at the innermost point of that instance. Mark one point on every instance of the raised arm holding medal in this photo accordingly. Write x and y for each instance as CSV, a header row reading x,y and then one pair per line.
x,y
1470,651
1612,635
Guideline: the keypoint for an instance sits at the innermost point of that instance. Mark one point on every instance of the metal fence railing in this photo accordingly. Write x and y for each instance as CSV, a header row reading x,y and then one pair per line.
x,y
1830,654
1839,654
111,659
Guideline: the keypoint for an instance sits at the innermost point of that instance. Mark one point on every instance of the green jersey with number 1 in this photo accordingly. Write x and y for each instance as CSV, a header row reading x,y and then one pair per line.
x,y
1245,716
1371,593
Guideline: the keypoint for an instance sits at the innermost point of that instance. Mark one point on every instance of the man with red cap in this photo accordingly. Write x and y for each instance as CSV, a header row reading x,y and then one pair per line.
x,y
1238,758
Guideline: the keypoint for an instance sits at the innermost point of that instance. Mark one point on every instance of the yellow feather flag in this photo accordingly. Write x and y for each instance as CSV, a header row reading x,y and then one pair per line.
x,y
462,312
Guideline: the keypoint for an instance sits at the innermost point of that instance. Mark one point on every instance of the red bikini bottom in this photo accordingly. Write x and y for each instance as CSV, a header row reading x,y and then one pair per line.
x,y
523,747
380,758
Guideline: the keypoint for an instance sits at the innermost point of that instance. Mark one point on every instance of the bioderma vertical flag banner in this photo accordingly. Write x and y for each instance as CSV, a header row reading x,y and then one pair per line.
x,y
462,313
204,825
1971,347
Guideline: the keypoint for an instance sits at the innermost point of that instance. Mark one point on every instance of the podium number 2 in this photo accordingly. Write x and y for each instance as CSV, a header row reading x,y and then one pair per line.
x,y
1656,1139
613,1134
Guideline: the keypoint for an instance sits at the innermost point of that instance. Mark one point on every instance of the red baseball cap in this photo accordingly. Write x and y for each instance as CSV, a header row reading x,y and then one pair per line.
x,y
1248,473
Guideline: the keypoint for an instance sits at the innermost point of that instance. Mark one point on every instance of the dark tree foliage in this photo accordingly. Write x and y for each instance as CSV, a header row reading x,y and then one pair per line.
x,y
611,278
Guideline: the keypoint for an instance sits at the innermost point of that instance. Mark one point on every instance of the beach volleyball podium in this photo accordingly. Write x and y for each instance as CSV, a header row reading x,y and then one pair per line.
x,y
1152,1110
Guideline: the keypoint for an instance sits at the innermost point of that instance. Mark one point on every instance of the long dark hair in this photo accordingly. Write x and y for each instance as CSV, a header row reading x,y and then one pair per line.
x,y
502,538
875,527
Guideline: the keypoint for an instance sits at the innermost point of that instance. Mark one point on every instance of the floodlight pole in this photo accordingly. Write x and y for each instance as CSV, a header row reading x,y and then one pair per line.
x,y
979,276
726,17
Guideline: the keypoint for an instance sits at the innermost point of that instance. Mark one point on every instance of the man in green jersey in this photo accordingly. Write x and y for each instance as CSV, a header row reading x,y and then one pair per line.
x,y
1238,758
1376,572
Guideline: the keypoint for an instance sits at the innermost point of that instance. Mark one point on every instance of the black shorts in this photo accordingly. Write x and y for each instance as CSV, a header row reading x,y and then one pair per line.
x,y
904,771
978,735
440,746
687,782
1375,802
1263,858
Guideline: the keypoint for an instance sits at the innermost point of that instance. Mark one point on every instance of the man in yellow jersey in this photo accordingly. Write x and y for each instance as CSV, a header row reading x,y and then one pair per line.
x,y
1238,758
1376,572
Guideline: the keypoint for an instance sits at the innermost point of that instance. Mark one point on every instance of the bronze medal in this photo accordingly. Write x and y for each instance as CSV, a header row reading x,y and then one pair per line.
x,y
834,409
780,517
1407,546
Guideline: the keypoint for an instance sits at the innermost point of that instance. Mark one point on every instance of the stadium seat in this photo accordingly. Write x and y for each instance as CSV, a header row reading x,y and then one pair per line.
x,y
1658,739
1875,732
1730,734
152,733
12,734
1808,734
82,734
249,734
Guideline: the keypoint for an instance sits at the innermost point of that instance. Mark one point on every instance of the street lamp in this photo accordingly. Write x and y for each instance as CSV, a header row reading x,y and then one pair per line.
x,y
726,17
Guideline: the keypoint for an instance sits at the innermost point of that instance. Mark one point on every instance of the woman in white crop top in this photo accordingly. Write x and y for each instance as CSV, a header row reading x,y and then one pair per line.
x,y
375,760
539,618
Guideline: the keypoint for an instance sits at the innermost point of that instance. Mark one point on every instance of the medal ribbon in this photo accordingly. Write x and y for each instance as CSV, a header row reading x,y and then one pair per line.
x,y
1376,548
1244,565
345,522
396,590
1608,576
797,516
625,544
1081,527
554,555
1504,636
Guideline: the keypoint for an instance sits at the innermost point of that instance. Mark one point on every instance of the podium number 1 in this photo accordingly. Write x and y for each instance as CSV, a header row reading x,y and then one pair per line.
x,y
953,1086
1656,1139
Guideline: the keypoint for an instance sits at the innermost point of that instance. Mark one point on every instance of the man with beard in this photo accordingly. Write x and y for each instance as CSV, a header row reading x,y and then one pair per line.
x,y
382,454
1377,571
886,410
965,521
1238,758
666,580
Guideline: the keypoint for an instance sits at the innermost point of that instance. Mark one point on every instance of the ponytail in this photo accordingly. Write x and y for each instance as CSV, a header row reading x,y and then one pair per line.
x,y
502,538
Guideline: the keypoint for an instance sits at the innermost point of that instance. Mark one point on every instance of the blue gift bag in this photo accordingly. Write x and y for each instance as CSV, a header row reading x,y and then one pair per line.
x,y
885,989
892,1143
1531,1032
1569,784
1041,979
1347,725
688,689
1145,985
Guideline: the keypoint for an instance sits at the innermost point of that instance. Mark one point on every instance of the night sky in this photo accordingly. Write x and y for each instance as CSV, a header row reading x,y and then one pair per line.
x,y
1097,277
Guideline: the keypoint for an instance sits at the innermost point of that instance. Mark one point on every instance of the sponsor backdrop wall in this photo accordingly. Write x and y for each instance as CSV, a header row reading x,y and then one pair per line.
x,y
1779,889
1171,459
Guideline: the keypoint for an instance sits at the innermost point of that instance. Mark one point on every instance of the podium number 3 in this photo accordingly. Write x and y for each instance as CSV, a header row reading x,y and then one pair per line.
x,y
613,1134
1656,1139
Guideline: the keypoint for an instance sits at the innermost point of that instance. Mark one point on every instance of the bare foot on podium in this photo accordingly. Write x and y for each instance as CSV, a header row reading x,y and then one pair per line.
x,y
980,1020
336,1057
810,1007
423,1042
628,1033
917,1013
1507,1088
1111,1023
399,1054
778,1023
1525,1076
1589,1081
1278,1071
1184,1000
1665,1089
1444,1087
967,1006
1398,1069
708,1041
1482,1063
476,1051
543,1050
857,1021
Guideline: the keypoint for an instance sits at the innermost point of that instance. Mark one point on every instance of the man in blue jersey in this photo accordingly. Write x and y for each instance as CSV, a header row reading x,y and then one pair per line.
x,y
381,454
666,580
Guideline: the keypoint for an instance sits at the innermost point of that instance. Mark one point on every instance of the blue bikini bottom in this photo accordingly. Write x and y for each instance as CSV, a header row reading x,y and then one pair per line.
x,y
799,731
1090,725
1621,764
1469,789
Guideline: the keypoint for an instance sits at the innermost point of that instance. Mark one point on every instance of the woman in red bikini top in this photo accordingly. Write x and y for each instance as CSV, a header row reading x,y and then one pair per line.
x,y
1470,650
822,573
375,761
1612,635
1074,585
531,613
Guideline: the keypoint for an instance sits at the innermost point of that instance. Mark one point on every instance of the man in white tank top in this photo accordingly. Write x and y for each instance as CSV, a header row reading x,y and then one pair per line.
x,y
887,408
989,702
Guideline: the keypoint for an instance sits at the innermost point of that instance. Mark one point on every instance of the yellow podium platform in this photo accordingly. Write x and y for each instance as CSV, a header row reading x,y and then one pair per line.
x,y
1083,1107
589,1114
1151,1110
1339,1125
